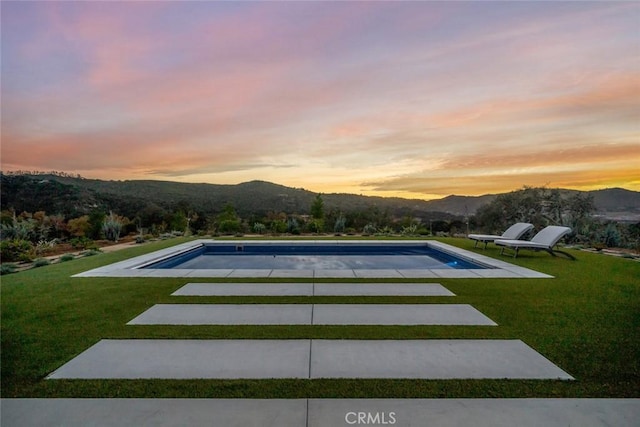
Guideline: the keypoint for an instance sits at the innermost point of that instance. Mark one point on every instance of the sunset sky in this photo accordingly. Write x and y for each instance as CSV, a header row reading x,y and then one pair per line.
x,y
408,99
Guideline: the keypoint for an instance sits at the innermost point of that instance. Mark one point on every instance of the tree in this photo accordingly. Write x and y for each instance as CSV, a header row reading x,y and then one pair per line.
x,y
178,221
79,227
96,220
152,214
228,221
317,207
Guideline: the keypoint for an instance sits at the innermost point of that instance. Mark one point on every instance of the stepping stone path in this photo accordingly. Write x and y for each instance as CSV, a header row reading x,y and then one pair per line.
x,y
317,358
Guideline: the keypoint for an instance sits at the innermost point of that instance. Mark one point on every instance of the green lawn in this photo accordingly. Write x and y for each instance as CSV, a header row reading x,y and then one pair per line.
x,y
586,321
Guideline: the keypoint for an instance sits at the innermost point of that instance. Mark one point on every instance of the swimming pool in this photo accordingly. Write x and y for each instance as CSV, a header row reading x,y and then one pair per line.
x,y
313,259
315,255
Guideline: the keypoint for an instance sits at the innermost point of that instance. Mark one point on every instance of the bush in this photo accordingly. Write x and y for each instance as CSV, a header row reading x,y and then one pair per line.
x,y
16,250
292,226
139,239
370,229
112,226
7,268
67,257
278,226
41,262
44,245
90,252
81,242
229,226
315,226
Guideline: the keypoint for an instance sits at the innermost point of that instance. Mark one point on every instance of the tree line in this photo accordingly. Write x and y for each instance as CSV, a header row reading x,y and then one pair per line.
x,y
26,235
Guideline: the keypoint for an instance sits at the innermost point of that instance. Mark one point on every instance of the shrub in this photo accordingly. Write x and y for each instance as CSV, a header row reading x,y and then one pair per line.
x,y
66,257
90,252
316,226
41,262
229,226
410,230
611,236
139,239
369,229
278,226
385,231
259,228
16,250
7,268
81,242
112,226
17,230
44,245
292,226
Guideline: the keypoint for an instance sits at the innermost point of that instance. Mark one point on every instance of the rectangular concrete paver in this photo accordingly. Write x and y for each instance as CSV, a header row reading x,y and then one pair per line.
x,y
310,289
398,314
245,289
181,359
225,314
228,359
307,314
381,289
430,359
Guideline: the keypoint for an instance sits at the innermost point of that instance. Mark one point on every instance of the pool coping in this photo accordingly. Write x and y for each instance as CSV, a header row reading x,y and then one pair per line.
x,y
132,267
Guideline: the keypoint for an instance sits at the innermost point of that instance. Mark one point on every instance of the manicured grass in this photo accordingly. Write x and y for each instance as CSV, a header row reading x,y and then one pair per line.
x,y
586,321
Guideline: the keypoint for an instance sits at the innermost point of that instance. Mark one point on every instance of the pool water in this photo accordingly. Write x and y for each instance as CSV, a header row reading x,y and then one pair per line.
x,y
289,256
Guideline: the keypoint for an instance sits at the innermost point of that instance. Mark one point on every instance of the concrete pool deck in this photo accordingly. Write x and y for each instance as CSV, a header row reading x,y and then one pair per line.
x,y
313,289
319,412
312,314
132,267
309,359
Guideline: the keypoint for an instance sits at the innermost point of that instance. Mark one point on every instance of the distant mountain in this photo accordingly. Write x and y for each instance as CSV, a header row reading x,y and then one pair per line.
x,y
461,205
612,203
618,204
74,196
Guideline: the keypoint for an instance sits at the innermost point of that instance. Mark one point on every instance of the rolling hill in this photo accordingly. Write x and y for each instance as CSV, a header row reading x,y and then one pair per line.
x,y
74,196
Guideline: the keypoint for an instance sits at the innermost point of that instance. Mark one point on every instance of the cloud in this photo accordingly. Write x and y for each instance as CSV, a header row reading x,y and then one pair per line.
x,y
403,97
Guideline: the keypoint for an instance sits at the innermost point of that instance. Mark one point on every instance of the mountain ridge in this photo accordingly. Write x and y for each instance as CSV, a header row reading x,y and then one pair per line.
x,y
76,195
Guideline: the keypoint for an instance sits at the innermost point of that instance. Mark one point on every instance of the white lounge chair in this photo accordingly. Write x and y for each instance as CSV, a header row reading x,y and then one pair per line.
x,y
545,240
514,232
